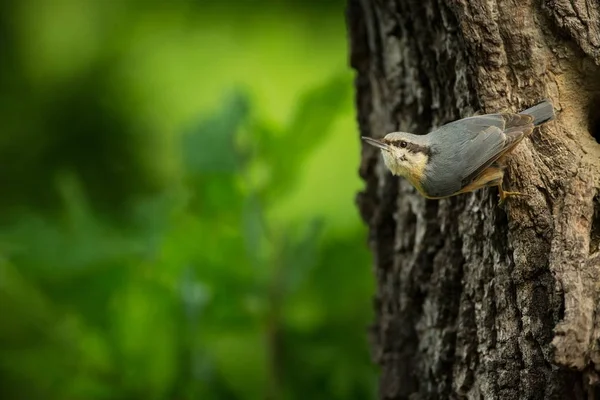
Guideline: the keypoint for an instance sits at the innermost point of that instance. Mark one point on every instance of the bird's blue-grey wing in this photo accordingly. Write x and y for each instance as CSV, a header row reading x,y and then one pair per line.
x,y
490,144
481,140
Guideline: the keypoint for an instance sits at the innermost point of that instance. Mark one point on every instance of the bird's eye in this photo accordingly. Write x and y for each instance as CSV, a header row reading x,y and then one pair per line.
x,y
403,144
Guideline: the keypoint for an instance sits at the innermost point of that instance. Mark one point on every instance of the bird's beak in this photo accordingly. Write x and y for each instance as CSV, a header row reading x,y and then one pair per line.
x,y
376,143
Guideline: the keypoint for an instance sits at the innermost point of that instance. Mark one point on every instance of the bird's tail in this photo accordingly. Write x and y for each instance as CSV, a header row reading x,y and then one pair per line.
x,y
541,112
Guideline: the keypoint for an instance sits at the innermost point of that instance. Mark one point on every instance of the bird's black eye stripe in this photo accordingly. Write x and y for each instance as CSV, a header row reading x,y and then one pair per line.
x,y
412,147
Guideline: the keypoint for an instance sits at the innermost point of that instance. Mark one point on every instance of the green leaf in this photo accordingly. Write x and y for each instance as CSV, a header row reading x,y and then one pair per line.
x,y
210,147
241,357
312,122
144,331
254,229
300,255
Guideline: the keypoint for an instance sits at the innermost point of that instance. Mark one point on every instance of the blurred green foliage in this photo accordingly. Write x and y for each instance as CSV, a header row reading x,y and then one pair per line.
x,y
177,210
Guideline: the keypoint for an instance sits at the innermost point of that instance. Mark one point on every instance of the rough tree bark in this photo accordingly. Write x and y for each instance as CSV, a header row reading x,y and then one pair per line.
x,y
477,301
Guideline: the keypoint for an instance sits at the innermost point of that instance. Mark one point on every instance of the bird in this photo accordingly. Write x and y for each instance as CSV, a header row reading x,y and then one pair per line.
x,y
461,156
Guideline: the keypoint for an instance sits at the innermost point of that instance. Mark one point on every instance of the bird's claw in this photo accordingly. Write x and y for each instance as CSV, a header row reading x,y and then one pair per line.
x,y
503,194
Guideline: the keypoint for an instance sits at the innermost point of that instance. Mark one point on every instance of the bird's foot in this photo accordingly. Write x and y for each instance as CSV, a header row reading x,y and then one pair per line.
x,y
503,194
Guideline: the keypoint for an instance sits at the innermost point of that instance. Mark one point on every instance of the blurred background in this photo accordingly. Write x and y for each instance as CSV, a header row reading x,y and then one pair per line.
x,y
177,202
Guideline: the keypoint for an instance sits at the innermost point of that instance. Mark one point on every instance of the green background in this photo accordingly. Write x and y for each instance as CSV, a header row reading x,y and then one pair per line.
x,y
177,202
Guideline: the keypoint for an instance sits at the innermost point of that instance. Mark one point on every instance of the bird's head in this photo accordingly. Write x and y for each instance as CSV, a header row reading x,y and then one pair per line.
x,y
404,154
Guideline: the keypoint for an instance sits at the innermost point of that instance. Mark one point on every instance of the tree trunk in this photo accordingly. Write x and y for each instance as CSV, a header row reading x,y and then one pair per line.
x,y
475,300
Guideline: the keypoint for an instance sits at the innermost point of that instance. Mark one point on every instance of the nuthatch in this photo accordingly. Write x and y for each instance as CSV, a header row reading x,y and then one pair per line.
x,y
461,156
